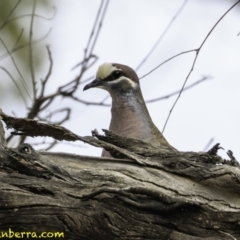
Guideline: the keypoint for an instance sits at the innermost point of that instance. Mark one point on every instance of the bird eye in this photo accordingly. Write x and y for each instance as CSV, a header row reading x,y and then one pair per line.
x,y
116,74
25,149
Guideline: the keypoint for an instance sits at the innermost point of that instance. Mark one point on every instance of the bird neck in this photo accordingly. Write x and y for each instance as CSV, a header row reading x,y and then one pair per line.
x,y
130,102
130,116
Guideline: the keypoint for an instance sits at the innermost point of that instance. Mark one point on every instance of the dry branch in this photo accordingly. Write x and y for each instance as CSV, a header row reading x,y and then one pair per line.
x,y
144,193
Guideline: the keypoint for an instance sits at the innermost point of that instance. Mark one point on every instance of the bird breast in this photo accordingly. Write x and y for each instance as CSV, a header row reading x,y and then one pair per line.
x,y
131,119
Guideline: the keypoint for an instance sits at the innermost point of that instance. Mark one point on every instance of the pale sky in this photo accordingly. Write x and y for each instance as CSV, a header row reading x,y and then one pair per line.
x,y
130,29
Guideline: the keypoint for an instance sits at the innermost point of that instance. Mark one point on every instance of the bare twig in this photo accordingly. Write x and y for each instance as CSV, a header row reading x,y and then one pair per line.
x,y
88,52
30,15
15,83
93,30
162,35
195,59
105,99
41,102
208,144
69,89
24,45
86,80
7,18
51,145
51,114
49,71
15,65
46,102
91,103
99,27
169,59
82,62
31,61
37,103
177,92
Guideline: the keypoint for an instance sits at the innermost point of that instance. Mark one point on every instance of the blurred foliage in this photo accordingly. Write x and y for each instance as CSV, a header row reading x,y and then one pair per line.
x,y
15,20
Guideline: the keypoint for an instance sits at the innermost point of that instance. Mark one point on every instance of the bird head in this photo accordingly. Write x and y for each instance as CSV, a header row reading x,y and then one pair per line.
x,y
114,77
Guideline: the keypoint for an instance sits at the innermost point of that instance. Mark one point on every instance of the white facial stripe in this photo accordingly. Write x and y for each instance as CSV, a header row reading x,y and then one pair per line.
x,y
105,70
131,82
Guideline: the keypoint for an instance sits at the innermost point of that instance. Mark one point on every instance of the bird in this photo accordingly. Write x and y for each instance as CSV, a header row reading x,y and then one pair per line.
x,y
130,116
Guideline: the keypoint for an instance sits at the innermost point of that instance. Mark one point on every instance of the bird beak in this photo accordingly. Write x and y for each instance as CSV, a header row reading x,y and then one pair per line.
x,y
94,83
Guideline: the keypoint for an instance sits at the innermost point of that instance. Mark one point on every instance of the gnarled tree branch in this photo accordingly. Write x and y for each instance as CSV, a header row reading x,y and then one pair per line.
x,y
142,193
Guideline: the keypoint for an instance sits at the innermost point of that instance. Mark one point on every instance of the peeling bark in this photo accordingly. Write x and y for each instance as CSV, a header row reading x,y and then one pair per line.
x,y
142,193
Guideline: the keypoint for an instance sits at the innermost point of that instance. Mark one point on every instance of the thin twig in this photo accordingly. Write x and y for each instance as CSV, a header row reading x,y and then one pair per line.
x,y
46,102
35,15
41,102
90,103
87,55
105,99
177,92
99,26
93,30
177,55
208,145
82,62
31,61
21,77
51,114
162,35
49,71
5,22
88,52
194,61
15,83
51,145
24,45
87,80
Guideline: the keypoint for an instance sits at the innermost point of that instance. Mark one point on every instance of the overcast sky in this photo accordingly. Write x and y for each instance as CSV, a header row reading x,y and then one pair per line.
x,y
130,29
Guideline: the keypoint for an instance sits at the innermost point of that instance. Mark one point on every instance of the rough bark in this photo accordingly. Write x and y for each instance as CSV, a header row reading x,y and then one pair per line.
x,y
144,193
